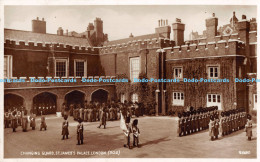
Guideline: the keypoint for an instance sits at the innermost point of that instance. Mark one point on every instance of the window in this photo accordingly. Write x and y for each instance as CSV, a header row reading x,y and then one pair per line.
x,y
61,68
177,73
213,71
134,98
178,99
80,68
255,101
122,98
214,100
8,64
134,68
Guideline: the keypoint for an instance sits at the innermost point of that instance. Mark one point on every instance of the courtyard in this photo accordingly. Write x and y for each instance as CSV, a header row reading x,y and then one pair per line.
x,y
158,139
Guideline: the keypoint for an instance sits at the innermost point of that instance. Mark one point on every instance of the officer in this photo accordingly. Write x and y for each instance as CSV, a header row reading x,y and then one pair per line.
x,y
179,124
80,132
249,126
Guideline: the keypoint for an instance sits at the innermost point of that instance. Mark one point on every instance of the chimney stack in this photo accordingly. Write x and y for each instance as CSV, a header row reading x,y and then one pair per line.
x,y
211,27
178,32
60,31
39,26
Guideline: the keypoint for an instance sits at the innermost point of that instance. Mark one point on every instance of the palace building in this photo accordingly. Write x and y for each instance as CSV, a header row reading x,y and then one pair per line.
x,y
220,53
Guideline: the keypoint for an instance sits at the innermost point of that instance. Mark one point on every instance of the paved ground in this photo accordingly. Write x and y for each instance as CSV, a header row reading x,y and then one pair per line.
x,y
158,140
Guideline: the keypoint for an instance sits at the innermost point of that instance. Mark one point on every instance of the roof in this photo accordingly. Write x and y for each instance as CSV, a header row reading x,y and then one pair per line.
x,y
126,40
28,36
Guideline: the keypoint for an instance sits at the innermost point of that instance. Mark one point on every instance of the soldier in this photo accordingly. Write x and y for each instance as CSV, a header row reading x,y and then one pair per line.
x,y
14,121
65,128
188,123
80,132
6,119
211,128
179,124
43,124
216,126
32,121
127,133
25,121
136,133
80,112
103,117
248,127
184,124
221,124
85,113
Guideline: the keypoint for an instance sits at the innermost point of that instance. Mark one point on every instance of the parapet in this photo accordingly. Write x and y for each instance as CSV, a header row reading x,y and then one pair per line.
x,y
58,47
154,43
230,47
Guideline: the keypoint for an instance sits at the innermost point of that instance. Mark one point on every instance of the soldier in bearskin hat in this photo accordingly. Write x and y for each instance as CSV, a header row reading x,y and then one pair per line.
x,y
65,128
127,133
179,124
136,133
80,129
184,124
216,126
211,128
248,127
14,121
188,123
221,123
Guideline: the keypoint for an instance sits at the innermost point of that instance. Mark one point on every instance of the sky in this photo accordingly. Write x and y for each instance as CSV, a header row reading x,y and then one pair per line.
x,y
120,21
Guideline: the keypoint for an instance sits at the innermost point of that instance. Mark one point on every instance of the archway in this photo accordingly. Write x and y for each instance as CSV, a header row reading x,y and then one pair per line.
x,y
45,103
100,96
75,97
12,101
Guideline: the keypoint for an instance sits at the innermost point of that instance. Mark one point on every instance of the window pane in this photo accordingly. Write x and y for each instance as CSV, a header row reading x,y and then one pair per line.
x,y
219,98
61,68
214,98
174,95
182,96
80,68
209,98
178,96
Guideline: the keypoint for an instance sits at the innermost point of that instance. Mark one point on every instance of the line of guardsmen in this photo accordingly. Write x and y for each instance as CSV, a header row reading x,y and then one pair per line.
x,y
194,120
18,117
228,122
94,111
204,118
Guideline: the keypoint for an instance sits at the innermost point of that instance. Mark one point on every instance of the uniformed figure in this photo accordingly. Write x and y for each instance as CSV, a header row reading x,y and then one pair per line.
x,y
184,124
43,124
248,127
85,114
6,119
179,124
211,128
94,112
136,133
81,112
65,128
127,134
103,117
32,121
63,109
25,121
221,124
216,127
19,117
80,132
14,121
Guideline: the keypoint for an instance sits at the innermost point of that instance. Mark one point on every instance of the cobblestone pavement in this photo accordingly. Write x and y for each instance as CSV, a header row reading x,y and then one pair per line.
x,y
158,140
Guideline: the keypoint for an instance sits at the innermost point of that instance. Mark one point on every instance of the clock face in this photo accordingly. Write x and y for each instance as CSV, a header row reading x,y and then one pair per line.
x,y
228,30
